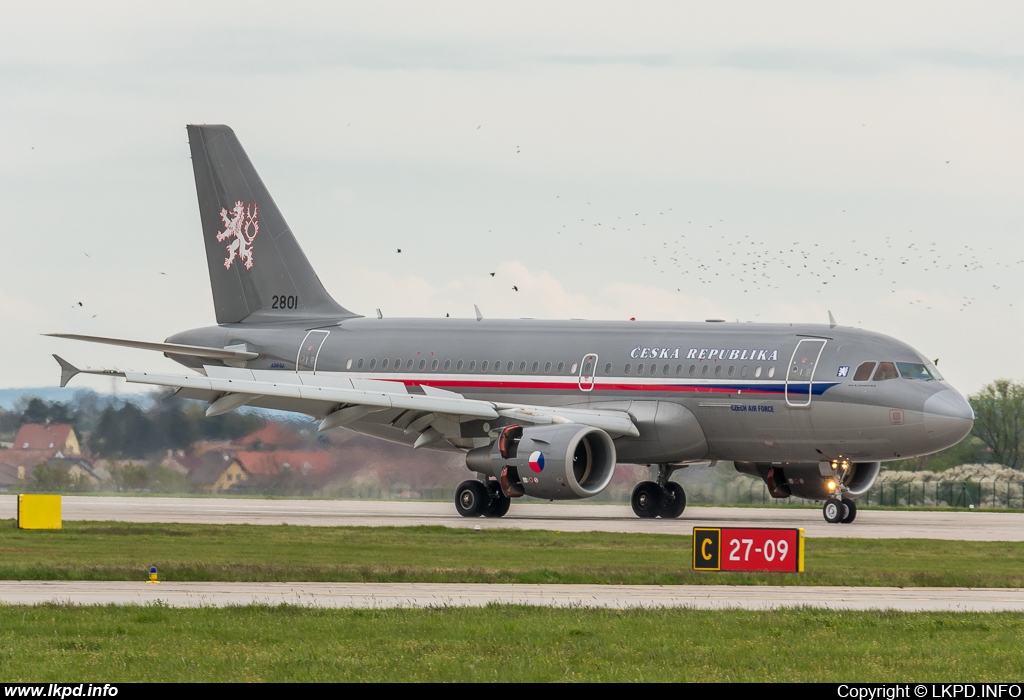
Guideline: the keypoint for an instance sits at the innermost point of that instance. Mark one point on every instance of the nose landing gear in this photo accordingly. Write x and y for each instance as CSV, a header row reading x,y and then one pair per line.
x,y
839,510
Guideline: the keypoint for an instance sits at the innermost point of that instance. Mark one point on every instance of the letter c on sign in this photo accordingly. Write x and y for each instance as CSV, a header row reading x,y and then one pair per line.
x,y
704,548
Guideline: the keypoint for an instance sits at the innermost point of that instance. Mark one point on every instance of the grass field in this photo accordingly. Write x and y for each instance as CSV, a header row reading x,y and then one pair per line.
x,y
185,552
111,644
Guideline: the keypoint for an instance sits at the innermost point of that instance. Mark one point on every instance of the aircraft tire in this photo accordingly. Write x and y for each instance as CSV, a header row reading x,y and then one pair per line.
x,y
833,510
674,506
498,506
850,511
646,500
471,499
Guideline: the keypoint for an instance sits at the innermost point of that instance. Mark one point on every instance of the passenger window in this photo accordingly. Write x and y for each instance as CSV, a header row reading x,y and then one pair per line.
x,y
743,372
433,365
704,370
522,367
757,372
628,367
497,366
886,370
373,363
586,369
679,370
640,368
732,370
536,366
408,366
771,372
693,370
666,369
572,370
508,367
483,367
359,365
718,370
863,372
458,366
348,364
447,365
423,365
398,364
561,367
384,363
472,365
608,368
654,369
547,368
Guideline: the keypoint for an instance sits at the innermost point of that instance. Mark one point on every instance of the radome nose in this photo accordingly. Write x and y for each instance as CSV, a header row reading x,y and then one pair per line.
x,y
948,417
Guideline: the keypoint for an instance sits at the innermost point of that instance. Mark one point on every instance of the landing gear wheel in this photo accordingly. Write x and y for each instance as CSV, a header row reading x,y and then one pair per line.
x,y
833,510
471,499
850,510
675,501
646,499
498,506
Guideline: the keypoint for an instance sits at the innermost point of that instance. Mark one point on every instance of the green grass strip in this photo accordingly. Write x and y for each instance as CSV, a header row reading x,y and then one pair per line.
x,y
187,552
503,643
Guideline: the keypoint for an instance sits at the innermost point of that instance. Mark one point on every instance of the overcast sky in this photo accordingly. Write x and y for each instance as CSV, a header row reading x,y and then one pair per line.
x,y
664,161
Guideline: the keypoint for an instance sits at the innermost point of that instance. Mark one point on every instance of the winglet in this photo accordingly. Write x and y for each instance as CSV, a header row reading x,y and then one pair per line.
x,y
831,320
479,316
67,370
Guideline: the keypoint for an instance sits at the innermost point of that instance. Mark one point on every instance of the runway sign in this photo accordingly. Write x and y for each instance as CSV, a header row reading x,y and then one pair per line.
x,y
748,549
38,512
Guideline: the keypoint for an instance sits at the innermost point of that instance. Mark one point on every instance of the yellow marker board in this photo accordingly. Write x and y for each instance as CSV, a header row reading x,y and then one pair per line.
x,y
38,512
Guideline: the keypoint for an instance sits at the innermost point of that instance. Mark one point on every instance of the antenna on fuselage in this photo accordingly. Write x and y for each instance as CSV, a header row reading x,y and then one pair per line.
x,y
831,320
479,316
379,315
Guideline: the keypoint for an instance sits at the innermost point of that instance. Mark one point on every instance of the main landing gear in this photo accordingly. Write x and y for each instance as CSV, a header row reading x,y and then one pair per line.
x,y
839,510
475,498
661,498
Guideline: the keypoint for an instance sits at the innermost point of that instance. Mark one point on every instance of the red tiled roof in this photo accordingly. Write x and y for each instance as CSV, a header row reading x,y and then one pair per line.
x,y
34,436
272,435
26,458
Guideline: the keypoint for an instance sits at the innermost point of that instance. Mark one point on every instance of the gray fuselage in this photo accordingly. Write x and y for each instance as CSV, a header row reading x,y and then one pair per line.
x,y
767,393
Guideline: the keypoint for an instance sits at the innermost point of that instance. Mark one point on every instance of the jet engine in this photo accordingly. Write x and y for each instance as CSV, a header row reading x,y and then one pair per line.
x,y
816,481
555,462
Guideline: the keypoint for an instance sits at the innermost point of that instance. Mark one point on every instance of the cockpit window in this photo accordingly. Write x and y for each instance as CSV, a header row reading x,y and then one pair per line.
x,y
934,371
912,370
886,370
863,373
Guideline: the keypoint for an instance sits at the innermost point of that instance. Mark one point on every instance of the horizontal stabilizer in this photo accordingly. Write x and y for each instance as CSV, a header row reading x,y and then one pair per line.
x,y
168,348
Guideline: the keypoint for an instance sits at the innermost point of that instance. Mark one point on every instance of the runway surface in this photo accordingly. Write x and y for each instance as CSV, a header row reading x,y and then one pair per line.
x,y
435,595
976,526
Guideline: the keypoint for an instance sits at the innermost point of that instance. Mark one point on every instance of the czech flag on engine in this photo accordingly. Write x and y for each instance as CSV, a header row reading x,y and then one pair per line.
x,y
537,461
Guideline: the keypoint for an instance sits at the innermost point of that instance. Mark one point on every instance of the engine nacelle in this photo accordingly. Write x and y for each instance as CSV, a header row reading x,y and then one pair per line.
x,y
555,462
811,481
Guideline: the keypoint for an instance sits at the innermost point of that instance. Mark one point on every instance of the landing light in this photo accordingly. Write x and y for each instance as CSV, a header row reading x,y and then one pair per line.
x,y
831,485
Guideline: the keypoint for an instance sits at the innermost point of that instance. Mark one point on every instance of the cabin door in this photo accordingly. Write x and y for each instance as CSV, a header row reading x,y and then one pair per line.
x,y
588,368
800,374
309,351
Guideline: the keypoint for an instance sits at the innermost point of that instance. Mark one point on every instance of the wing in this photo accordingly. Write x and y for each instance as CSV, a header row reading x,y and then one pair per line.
x,y
338,401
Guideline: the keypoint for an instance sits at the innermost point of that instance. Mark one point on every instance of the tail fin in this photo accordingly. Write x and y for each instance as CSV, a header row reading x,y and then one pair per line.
x,y
258,272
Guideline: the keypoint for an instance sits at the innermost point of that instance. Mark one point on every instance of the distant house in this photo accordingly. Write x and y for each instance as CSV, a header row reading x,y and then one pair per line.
x,y
55,437
217,472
